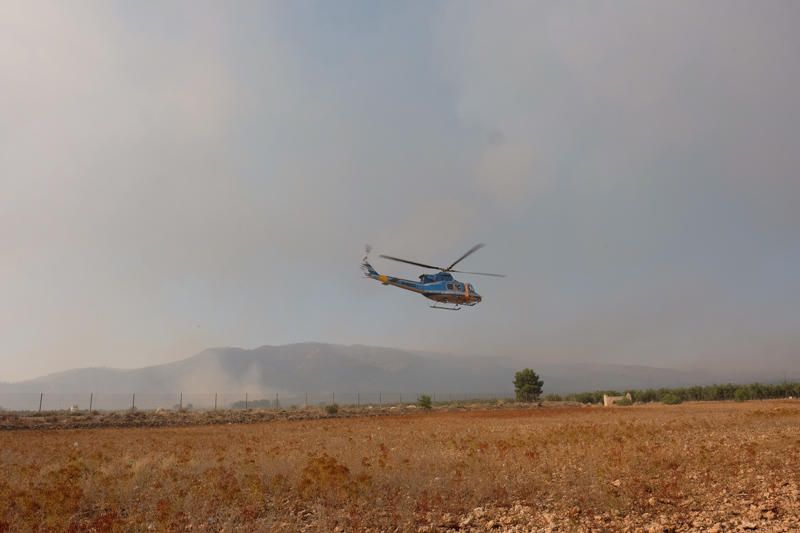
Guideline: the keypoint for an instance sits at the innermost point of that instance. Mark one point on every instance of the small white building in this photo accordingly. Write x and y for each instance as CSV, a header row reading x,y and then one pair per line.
x,y
608,401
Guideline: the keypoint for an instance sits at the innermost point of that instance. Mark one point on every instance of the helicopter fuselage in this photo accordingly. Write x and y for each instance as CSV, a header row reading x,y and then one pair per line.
x,y
440,287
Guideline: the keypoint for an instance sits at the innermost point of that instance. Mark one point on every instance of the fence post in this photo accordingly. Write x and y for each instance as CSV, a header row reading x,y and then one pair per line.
x,y
380,398
277,401
91,401
215,401
180,402
333,397
245,401
133,402
41,395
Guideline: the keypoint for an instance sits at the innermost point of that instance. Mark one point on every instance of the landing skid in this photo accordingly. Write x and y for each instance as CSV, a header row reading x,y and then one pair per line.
x,y
456,308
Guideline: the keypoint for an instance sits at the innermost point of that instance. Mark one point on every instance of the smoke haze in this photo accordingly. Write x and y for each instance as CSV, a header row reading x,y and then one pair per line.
x,y
175,177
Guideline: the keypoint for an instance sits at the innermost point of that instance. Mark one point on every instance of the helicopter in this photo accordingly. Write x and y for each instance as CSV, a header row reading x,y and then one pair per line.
x,y
440,287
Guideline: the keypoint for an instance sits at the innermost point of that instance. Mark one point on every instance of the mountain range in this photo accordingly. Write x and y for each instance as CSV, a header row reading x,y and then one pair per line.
x,y
323,368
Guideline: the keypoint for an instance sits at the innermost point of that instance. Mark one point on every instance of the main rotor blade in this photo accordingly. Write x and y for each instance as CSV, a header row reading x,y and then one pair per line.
x,y
411,262
480,273
471,251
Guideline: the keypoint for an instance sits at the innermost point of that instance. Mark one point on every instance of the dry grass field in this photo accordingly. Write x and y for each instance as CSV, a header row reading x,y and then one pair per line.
x,y
691,467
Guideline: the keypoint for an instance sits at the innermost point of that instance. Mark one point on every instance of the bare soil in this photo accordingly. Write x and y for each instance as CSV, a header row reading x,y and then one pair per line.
x,y
691,467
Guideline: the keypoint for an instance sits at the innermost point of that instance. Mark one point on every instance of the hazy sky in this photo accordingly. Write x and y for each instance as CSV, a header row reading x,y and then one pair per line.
x,y
175,176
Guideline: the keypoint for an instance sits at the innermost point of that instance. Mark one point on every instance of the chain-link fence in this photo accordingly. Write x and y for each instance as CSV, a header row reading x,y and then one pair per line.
x,y
103,401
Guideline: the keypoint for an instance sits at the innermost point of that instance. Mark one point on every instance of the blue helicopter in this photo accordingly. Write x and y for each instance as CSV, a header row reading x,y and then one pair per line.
x,y
440,287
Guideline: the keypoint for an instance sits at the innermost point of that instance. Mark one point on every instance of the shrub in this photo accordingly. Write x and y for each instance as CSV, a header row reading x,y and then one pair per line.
x,y
332,408
670,399
553,398
251,404
424,401
624,402
586,397
741,394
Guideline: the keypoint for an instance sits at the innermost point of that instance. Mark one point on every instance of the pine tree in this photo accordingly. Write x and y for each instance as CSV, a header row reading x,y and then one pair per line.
x,y
527,385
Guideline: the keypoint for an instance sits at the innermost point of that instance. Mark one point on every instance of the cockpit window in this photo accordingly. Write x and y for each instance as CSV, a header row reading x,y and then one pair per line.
x,y
450,286
459,287
470,287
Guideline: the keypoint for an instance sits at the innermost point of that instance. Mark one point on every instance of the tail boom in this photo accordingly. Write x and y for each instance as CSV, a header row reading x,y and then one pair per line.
x,y
389,280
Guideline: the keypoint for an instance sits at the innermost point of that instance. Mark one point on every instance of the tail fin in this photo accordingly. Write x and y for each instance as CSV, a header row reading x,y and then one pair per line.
x,y
365,266
368,270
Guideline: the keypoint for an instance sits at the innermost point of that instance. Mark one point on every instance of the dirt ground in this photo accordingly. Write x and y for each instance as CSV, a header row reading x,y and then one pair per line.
x,y
692,467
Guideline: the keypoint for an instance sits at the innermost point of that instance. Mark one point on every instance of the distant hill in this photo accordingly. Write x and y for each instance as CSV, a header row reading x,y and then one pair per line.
x,y
317,367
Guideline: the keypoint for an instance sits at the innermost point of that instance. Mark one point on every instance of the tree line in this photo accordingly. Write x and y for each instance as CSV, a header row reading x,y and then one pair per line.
x,y
728,391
